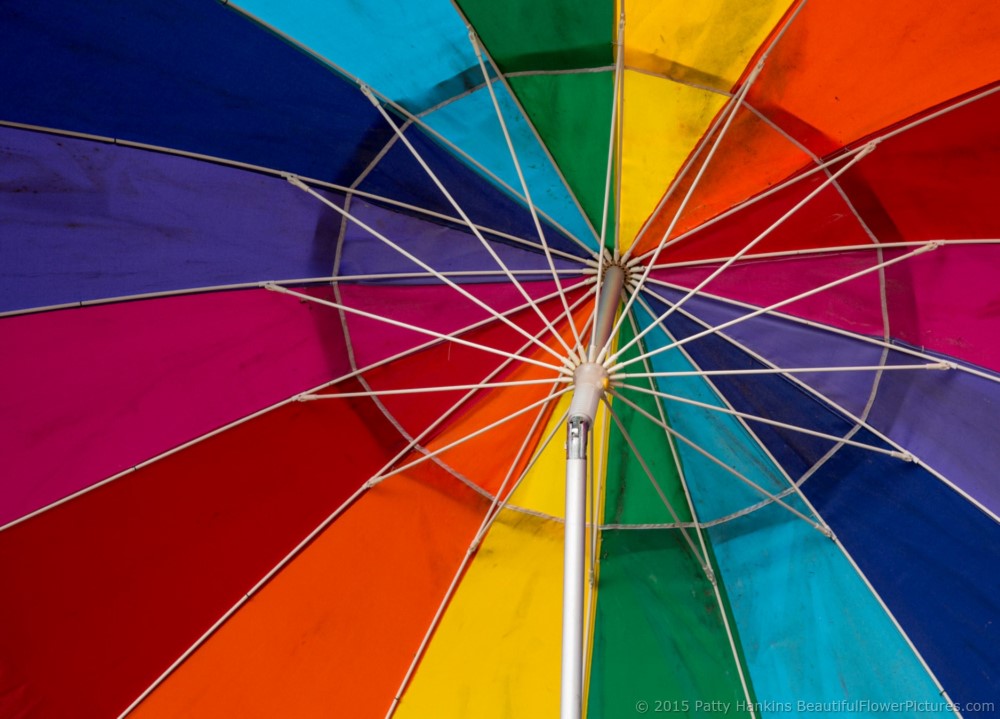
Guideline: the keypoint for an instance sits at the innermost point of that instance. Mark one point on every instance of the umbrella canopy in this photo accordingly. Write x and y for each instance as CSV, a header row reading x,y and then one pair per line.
x,y
292,297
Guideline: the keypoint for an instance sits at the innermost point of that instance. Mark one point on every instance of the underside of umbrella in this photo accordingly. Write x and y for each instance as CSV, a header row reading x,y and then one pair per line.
x,y
473,359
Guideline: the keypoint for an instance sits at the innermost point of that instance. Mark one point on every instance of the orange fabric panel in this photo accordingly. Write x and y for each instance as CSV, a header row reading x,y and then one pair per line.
x,y
752,156
846,68
334,633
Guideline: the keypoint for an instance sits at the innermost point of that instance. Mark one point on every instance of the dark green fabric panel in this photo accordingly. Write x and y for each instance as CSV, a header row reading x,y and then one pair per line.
x,y
660,645
572,113
558,35
630,497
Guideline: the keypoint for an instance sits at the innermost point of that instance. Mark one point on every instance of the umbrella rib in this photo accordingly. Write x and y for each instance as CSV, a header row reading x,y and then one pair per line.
x,y
783,370
465,293
774,423
855,419
756,313
524,186
750,257
746,248
617,129
465,218
422,390
328,280
700,529
497,506
701,559
730,115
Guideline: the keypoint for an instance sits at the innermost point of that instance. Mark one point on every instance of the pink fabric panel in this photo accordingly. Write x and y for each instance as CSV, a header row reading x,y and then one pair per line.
x,y
86,393
435,307
948,301
855,305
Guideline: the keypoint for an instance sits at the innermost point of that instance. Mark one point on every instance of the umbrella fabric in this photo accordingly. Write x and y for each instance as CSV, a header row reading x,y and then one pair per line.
x,y
289,294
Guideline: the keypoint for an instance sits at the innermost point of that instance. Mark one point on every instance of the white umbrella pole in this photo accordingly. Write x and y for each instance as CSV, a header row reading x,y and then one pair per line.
x,y
590,381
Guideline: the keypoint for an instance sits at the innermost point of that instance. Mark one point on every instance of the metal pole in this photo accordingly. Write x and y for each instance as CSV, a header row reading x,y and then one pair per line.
x,y
573,569
590,380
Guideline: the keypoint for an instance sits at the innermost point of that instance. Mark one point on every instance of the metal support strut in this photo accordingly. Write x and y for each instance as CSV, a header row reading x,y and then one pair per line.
x,y
590,380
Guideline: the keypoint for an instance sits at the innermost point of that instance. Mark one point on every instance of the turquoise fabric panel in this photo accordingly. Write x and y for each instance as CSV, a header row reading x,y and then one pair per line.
x,y
471,123
424,56
715,491
816,640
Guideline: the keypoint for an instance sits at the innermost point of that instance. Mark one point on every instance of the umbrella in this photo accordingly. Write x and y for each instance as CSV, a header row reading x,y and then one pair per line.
x,y
304,305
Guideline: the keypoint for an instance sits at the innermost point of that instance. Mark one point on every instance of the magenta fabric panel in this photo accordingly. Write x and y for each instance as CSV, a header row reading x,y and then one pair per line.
x,y
947,301
436,307
854,305
86,393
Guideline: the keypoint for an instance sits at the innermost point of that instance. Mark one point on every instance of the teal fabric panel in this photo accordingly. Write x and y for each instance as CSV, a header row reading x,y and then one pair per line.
x,y
471,123
815,639
424,56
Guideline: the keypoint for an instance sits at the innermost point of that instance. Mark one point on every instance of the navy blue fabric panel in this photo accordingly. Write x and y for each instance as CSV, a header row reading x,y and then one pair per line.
x,y
933,557
185,74
400,176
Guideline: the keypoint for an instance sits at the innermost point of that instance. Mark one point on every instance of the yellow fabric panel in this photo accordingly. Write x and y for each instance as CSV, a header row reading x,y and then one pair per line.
x,y
499,640
698,43
662,122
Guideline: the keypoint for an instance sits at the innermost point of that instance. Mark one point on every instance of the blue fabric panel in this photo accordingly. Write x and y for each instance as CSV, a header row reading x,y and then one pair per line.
x,y
187,74
816,640
82,220
933,557
444,248
424,56
399,175
471,123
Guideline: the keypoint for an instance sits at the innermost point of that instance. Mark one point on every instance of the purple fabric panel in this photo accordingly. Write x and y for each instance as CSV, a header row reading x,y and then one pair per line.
x,y
789,344
946,418
440,246
82,220
86,393
435,307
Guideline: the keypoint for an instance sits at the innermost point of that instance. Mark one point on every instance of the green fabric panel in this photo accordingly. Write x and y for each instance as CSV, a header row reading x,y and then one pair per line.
x,y
660,645
556,35
572,113
630,497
